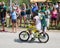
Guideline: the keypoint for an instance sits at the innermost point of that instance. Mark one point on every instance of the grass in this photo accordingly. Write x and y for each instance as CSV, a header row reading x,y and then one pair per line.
x,y
22,26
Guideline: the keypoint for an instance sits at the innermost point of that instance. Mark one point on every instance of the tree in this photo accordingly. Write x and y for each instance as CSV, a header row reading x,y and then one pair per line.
x,y
24,1
55,0
6,1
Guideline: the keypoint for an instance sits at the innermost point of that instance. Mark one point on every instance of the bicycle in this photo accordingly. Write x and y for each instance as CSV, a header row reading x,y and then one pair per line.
x,y
25,35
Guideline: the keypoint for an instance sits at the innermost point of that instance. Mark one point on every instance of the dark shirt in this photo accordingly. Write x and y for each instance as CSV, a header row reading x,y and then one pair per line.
x,y
28,11
0,11
3,12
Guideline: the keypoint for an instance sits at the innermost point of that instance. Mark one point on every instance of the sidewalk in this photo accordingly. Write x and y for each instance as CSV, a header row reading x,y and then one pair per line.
x,y
53,30
22,29
10,29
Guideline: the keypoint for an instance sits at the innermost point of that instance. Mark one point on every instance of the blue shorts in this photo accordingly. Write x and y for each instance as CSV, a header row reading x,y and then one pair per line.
x,y
23,13
2,20
13,20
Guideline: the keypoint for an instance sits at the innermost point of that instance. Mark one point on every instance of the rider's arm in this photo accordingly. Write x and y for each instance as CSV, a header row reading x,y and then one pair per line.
x,y
34,21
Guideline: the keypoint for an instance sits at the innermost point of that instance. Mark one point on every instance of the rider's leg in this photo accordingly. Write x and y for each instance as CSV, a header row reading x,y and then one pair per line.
x,y
44,31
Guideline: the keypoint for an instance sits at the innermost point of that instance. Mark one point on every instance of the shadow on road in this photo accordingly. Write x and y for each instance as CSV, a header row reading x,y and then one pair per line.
x,y
19,41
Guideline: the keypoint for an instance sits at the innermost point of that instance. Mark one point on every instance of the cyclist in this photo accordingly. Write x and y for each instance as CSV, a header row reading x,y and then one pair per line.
x,y
36,22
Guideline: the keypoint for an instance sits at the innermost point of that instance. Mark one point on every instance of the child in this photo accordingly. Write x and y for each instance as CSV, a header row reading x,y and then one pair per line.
x,y
36,22
14,18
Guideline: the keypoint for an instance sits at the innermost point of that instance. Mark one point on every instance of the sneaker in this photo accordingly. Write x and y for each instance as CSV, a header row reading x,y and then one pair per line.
x,y
4,31
32,36
43,36
32,39
0,30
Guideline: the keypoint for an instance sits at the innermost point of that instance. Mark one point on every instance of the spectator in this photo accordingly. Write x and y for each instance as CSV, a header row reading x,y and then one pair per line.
x,y
14,18
54,16
0,10
56,5
3,15
11,9
18,11
23,14
59,13
35,8
28,12
47,13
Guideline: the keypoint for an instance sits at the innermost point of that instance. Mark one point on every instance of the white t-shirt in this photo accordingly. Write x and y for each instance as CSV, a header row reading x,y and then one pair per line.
x,y
47,12
56,6
39,14
38,22
37,19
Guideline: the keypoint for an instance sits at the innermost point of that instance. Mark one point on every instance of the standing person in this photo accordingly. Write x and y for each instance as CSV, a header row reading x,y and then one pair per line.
x,y
35,8
3,15
39,10
14,18
47,13
28,12
23,14
11,9
56,5
59,13
0,10
54,14
51,7
43,22
18,11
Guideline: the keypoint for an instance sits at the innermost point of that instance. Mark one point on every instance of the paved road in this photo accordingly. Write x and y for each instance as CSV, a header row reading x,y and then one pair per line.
x,y
11,40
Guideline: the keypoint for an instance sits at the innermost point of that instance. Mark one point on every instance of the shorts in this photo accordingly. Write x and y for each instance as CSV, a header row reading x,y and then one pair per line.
x,y
13,20
2,20
23,13
53,18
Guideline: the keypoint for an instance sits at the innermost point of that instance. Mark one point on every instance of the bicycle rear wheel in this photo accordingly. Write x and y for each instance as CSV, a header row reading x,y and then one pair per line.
x,y
24,36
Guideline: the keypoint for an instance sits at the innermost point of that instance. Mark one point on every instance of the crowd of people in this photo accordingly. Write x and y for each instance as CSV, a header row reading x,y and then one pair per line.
x,y
42,14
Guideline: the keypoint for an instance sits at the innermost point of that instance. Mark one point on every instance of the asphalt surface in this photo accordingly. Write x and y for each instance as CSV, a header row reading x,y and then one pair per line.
x,y
11,40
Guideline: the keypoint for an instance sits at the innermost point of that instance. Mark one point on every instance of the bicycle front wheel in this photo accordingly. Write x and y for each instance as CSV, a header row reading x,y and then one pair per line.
x,y
43,38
